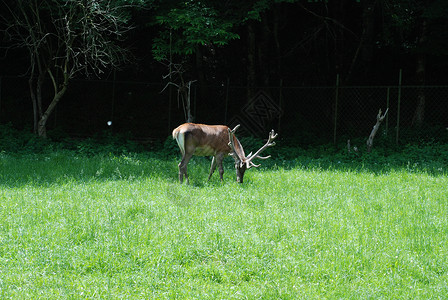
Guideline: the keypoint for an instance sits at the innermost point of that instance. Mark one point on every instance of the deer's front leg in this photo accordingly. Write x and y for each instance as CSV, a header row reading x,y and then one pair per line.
x,y
212,168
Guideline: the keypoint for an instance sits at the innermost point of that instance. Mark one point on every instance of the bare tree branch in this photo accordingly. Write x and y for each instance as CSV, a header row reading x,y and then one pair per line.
x,y
176,72
379,119
64,39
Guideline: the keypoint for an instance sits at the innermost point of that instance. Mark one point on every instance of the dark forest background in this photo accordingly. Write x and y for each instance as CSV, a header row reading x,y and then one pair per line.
x,y
314,70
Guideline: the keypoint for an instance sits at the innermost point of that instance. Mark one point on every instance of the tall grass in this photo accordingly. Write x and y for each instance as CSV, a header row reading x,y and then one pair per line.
x,y
120,226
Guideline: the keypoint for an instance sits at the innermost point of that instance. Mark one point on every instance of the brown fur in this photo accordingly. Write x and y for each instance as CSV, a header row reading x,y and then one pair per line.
x,y
203,140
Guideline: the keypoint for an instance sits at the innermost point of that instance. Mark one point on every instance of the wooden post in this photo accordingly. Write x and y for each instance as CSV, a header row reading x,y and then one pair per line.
x,y
194,102
398,106
336,109
387,105
227,100
0,95
280,103
170,92
112,109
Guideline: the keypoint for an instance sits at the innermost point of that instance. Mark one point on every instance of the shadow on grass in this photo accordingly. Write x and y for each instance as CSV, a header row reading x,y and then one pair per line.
x,y
67,166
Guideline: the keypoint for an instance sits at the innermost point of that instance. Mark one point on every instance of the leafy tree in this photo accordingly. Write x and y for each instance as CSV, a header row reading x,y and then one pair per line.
x,y
186,25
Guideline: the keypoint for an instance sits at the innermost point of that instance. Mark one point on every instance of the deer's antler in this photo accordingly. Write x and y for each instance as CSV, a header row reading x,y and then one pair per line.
x,y
234,129
238,150
269,143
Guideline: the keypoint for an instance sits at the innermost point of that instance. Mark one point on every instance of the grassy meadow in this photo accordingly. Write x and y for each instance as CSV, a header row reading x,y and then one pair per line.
x,y
109,226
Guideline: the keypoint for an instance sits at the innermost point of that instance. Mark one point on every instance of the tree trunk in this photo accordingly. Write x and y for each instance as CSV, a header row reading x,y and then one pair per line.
x,y
187,96
419,114
36,98
203,90
251,52
263,50
278,52
420,72
34,101
363,56
42,124
338,13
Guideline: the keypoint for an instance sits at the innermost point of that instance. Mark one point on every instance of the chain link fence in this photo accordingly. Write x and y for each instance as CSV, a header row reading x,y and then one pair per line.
x,y
330,114
309,115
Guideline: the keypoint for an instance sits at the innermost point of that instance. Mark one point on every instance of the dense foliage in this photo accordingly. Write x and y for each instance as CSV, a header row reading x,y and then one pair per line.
x,y
252,45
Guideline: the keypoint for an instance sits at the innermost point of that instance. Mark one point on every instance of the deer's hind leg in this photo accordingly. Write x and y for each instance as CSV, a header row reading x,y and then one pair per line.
x,y
219,159
183,168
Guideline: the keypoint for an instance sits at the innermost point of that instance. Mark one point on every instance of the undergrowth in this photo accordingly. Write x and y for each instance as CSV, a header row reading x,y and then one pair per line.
x,y
428,154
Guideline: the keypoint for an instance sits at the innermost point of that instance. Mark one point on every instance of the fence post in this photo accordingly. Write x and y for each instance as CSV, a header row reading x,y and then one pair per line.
x,y
387,106
227,100
170,92
280,103
194,102
112,110
336,109
0,97
398,106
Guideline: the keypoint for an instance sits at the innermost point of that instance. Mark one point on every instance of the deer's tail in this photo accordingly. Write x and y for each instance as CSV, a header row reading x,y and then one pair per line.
x,y
180,139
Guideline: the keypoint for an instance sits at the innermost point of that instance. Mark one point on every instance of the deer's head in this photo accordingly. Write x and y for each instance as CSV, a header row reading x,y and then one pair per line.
x,y
243,162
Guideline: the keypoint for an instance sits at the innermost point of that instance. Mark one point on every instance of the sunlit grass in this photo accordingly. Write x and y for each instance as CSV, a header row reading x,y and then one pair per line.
x,y
122,227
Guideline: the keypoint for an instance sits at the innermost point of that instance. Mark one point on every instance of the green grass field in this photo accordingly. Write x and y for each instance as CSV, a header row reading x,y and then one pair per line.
x,y
120,226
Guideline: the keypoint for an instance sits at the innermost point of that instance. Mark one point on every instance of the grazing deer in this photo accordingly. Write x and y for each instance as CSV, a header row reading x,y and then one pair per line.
x,y
217,141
